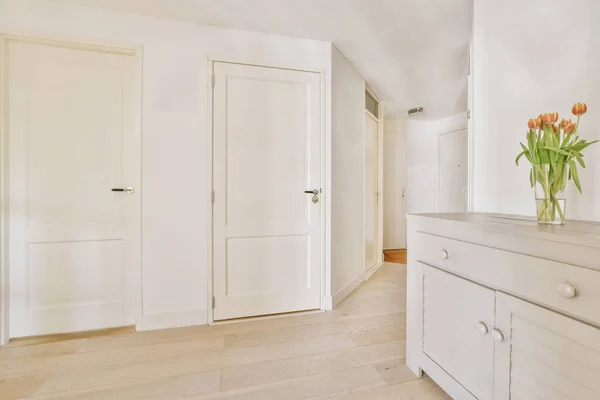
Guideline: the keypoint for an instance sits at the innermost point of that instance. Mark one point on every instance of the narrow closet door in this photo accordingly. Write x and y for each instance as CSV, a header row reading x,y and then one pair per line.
x,y
371,192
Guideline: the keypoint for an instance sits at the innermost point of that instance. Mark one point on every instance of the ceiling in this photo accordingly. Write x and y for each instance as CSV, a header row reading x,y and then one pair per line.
x,y
411,52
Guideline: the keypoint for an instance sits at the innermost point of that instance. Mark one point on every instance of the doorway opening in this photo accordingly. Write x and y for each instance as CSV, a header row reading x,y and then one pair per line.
x,y
394,200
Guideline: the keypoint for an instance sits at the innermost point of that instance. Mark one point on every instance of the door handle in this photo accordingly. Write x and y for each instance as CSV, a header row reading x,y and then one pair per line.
x,y
128,189
315,193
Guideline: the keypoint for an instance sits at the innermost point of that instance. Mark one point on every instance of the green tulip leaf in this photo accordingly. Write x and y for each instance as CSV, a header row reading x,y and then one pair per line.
x,y
531,179
557,150
521,154
579,158
527,153
575,175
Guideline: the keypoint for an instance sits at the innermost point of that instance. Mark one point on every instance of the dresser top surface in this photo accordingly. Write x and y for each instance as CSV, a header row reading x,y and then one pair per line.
x,y
577,232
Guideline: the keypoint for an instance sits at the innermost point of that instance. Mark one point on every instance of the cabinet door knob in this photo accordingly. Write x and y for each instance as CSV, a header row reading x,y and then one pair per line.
x,y
497,336
567,290
482,328
444,253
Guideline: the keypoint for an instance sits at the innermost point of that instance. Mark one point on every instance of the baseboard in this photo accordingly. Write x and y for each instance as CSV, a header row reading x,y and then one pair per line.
x,y
373,270
63,337
348,288
265,317
152,322
4,336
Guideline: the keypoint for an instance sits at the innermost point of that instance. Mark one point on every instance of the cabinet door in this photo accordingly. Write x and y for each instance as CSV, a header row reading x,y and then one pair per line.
x,y
457,315
541,354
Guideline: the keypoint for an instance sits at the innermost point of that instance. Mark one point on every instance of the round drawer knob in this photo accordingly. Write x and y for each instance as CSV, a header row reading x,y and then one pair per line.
x,y
444,253
497,336
567,290
482,328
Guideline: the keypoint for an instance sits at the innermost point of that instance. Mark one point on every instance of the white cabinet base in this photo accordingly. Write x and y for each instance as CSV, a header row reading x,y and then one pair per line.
x,y
493,313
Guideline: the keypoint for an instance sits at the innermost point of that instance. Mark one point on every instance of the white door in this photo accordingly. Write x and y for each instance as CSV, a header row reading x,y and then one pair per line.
x,y
267,153
394,170
74,243
544,355
453,173
401,194
371,192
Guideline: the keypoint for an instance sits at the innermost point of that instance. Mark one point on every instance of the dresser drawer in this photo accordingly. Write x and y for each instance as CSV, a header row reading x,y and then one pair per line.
x,y
566,288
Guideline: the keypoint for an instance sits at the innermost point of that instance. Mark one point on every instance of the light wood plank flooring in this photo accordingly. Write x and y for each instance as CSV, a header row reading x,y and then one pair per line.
x,y
354,352
395,256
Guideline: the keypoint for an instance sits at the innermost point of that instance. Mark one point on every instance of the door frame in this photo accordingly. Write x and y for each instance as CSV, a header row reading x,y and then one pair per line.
x,y
380,120
75,43
325,267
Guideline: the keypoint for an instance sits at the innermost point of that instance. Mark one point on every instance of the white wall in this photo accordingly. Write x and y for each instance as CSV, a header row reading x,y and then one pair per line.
x,y
394,181
421,165
347,168
522,67
175,126
452,123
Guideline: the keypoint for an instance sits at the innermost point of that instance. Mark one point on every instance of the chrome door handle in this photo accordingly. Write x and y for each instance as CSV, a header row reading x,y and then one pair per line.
x,y
315,193
128,189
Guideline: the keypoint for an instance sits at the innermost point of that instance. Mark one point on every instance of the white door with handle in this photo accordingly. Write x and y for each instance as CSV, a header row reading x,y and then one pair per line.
x,y
74,243
394,182
371,191
453,173
267,191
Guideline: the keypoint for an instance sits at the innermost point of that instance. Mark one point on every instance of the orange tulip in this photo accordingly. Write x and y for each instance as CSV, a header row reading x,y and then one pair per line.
x,y
567,123
579,109
555,128
532,124
554,117
570,128
547,119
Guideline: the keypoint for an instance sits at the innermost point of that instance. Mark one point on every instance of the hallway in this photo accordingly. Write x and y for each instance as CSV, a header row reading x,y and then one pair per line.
x,y
395,256
354,352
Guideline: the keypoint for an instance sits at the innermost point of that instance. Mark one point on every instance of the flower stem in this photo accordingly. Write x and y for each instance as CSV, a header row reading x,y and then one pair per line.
x,y
560,213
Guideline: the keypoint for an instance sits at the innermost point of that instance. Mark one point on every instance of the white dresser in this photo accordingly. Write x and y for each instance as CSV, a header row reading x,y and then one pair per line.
x,y
502,308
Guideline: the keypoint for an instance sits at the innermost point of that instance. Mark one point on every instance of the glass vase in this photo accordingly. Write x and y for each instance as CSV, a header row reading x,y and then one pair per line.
x,y
550,186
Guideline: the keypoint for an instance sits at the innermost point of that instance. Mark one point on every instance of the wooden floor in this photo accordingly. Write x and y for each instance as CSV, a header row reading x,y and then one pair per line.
x,y
395,256
354,352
